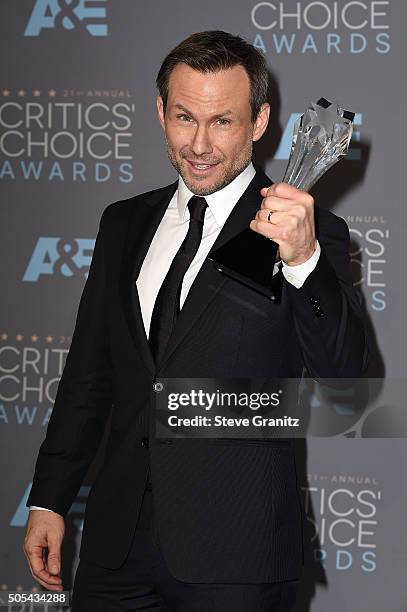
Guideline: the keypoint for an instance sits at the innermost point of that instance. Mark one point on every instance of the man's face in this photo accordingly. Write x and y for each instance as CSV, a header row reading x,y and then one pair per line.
x,y
208,126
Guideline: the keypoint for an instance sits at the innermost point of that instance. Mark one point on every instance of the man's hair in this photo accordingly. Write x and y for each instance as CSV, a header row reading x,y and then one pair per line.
x,y
215,50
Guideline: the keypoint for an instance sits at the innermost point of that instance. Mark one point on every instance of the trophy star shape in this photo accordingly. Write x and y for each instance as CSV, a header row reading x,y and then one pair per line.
x,y
321,137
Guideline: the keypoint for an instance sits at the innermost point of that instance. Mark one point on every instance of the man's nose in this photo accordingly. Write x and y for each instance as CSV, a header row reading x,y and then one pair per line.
x,y
201,142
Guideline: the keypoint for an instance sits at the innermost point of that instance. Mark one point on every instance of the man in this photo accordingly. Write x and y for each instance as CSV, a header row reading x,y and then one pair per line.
x,y
190,525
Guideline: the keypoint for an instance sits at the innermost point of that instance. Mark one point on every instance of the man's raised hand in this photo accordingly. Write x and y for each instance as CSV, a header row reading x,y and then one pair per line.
x,y
286,215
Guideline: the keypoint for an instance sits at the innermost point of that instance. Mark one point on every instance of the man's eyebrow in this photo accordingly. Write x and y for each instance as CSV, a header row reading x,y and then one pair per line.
x,y
217,116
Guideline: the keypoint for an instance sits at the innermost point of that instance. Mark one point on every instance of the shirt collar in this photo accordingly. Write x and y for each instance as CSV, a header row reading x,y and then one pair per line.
x,y
220,203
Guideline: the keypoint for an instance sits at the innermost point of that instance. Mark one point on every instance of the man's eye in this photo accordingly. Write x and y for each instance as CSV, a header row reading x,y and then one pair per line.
x,y
184,117
223,121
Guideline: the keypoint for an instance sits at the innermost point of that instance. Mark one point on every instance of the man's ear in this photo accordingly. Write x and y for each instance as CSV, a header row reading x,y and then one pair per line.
x,y
160,110
261,122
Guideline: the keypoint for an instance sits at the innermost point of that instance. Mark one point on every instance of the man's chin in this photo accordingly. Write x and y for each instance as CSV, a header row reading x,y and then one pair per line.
x,y
203,185
201,188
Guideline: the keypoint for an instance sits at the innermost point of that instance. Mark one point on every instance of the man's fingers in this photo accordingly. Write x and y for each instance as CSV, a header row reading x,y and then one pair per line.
x,y
34,556
283,190
276,204
54,556
267,229
286,216
47,585
283,204
275,217
38,570
280,190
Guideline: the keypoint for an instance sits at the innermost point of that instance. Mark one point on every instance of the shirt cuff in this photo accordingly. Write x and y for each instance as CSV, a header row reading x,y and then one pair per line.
x,y
39,508
297,275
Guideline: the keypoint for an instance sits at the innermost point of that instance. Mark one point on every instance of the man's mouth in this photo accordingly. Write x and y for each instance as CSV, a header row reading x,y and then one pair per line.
x,y
200,167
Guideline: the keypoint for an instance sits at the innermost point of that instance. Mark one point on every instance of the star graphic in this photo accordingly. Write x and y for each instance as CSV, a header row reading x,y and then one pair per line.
x,y
6,92
19,337
34,338
3,336
36,93
21,93
52,93
49,339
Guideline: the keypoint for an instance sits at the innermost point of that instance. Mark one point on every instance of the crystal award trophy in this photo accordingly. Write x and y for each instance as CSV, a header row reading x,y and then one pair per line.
x,y
321,137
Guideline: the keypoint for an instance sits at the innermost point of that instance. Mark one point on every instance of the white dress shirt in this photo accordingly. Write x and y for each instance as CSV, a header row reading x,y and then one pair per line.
x,y
173,229
171,233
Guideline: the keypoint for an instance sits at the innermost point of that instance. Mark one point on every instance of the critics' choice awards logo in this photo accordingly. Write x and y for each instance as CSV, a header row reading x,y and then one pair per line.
x,y
369,236
71,135
31,366
30,369
343,514
328,27
59,256
86,15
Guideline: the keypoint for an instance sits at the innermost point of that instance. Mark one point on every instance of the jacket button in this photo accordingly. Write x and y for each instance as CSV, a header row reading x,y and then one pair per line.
x,y
144,442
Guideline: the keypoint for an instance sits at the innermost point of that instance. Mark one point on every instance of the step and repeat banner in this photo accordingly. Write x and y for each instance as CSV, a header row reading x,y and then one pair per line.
x,y
78,130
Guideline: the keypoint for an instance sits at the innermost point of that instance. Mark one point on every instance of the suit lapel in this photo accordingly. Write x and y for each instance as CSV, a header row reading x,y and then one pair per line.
x,y
208,280
144,220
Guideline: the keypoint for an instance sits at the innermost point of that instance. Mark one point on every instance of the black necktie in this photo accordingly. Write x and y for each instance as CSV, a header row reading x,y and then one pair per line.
x,y
166,306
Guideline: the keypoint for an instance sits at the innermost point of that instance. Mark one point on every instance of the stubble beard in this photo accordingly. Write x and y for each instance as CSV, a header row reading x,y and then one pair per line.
x,y
229,174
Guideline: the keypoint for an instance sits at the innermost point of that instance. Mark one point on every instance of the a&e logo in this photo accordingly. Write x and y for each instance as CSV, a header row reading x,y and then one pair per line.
x,y
68,15
59,256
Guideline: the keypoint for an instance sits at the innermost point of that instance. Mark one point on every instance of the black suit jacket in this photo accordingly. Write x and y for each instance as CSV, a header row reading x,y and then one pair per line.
x,y
227,510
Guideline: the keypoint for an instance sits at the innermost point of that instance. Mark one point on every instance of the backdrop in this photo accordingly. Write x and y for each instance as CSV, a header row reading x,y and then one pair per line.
x,y
79,131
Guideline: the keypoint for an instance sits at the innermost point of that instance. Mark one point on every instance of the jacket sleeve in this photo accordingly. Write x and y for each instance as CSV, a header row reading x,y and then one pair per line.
x,y
84,397
328,311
